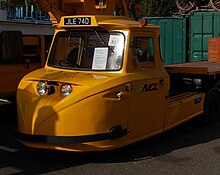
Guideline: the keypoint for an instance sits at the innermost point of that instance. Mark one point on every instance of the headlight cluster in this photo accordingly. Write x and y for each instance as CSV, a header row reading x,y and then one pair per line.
x,y
66,90
43,88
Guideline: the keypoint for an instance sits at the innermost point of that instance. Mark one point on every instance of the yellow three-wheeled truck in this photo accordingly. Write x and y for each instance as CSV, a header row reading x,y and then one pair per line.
x,y
104,86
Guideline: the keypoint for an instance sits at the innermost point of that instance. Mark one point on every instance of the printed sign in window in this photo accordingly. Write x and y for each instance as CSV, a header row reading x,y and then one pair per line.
x,y
100,58
114,40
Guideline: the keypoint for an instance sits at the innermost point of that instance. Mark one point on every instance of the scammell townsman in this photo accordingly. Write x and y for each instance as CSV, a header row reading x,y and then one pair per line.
x,y
105,86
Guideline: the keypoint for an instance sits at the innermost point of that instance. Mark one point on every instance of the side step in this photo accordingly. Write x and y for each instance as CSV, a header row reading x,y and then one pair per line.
x,y
4,102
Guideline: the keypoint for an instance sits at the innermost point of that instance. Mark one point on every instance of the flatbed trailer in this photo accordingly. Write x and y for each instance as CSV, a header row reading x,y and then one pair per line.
x,y
197,76
201,68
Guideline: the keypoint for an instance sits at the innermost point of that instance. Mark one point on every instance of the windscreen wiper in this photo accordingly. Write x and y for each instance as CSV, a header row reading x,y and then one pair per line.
x,y
103,42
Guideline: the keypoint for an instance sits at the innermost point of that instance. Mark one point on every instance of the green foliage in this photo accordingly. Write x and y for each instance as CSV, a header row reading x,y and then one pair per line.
x,y
158,7
149,7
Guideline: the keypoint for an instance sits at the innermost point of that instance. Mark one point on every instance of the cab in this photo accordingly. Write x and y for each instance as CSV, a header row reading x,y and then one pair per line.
x,y
103,86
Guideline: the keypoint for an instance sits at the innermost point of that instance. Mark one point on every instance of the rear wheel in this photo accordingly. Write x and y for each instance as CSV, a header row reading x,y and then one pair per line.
x,y
215,4
185,5
212,106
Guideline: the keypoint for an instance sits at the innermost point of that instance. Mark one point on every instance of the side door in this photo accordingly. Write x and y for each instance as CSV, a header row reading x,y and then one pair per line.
x,y
150,84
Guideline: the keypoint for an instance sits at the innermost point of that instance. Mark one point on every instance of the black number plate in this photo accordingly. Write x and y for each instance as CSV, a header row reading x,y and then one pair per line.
x,y
77,21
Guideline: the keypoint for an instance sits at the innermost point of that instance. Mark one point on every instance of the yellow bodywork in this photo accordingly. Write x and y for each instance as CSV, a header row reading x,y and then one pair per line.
x,y
56,9
133,103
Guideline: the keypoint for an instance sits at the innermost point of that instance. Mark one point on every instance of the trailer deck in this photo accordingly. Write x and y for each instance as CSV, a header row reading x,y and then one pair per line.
x,y
204,67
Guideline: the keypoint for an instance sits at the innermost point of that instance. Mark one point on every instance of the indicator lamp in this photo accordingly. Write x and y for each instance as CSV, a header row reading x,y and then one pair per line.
x,y
143,22
119,95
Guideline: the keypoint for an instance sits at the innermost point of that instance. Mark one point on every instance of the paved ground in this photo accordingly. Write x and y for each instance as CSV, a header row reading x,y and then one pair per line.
x,y
190,149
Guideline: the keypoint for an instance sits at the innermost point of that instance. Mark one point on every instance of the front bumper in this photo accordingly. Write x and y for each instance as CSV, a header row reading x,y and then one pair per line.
x,y
72,139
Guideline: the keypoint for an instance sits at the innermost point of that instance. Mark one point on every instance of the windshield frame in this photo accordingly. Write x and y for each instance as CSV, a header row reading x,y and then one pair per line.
x,y
95,32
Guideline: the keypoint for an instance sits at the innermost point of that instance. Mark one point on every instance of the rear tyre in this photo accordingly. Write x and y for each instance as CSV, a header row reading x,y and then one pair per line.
x,y
212,106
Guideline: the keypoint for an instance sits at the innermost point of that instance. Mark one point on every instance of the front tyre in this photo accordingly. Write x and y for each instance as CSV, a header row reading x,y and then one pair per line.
x,y
212,106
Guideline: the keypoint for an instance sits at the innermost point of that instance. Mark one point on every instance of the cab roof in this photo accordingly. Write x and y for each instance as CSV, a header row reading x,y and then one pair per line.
x,y
103,21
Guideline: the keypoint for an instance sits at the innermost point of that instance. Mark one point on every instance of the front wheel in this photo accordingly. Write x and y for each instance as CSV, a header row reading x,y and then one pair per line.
x,y
212,106
215,4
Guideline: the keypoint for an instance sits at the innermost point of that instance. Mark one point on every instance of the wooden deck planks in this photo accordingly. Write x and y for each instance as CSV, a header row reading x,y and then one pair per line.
x,y
204,67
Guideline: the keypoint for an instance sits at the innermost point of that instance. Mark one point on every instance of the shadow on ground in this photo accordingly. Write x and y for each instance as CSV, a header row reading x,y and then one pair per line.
x,y
36,161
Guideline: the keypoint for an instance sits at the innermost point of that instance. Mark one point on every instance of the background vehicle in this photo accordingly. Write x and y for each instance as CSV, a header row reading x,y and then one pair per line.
x,y
105,85
24,43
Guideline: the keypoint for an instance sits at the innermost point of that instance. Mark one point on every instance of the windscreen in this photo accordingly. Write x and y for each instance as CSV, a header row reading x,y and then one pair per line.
x,y
87,50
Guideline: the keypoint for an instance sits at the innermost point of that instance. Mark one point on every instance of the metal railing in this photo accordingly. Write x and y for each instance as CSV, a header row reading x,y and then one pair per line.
x,y
27,13
188,5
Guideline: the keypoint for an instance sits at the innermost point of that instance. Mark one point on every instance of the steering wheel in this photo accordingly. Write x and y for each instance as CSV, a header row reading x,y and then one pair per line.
x,y
63,63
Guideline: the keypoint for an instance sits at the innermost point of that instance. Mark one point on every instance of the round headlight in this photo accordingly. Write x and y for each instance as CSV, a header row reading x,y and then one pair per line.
x,y
41,88
66,90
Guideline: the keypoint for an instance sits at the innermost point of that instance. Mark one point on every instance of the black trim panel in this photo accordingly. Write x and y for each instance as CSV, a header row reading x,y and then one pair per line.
x,y
71,139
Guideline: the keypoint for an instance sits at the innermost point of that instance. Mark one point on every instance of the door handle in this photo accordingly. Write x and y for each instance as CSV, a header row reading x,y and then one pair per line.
x,y
162,82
